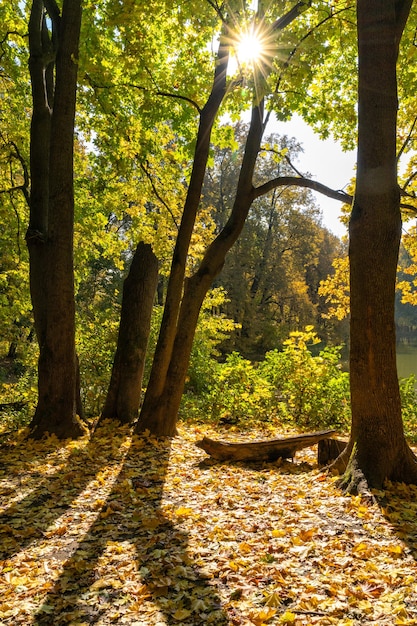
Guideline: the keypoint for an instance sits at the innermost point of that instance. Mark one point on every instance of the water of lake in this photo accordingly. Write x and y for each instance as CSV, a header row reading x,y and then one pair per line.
x,y
407,361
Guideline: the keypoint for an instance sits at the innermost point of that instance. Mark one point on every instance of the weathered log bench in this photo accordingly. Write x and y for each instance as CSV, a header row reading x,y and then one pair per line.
x,y
271,450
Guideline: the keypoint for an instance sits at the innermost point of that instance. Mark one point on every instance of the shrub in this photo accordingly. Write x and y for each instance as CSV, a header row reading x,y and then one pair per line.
x,y
240,392
18,388
310,391
408,393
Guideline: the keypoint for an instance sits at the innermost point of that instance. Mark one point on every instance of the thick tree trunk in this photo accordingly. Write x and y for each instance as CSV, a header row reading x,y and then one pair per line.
x,y
377,448
52,269
125,389
41,49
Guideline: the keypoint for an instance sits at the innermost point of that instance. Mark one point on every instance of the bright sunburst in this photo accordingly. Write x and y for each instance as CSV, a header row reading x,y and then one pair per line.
x,y
249,48
253,49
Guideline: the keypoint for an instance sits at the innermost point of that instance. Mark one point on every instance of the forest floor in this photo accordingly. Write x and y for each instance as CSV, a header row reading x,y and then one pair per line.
x,y
144,532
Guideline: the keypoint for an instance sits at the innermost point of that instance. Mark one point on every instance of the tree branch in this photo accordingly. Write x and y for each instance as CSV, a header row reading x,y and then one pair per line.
x,y
299,181
286,63
402,11
179,97
407,182
408,207
407,140
161,200
291,15
25,187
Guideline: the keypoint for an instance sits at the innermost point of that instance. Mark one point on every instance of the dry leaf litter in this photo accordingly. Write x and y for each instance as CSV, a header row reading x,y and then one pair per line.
x,y
138,532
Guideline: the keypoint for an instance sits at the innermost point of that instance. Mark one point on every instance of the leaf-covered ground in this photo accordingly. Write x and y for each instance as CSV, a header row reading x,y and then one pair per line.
x,y
114,531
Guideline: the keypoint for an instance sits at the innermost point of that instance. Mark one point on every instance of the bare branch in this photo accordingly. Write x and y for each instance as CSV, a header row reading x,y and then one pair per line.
x,y
217,9
408,207
16,212
292,166
179,97
408,181
407,140
157,92
25,187
16,154
161,200
301,181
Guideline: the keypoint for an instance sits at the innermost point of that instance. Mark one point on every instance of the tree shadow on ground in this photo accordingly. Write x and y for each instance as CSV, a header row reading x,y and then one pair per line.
x,y
283,466
132,566
51,476
399,507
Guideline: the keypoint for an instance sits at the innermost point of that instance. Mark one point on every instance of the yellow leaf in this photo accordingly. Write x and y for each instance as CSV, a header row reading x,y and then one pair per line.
x,y
150,522
181,614
287,618
362,549
183,511
60,530
279,532
244,547
263,616
273,599
307,535
102,583
395,550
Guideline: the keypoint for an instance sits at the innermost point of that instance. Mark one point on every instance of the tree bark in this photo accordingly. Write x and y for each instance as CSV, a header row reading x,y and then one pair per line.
x,y
50,235
377,449
125,389
41,55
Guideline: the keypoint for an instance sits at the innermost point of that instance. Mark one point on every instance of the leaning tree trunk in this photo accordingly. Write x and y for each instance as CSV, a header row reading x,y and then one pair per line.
x,y
162,418
166,338
53,278
377,449
172,355
125,389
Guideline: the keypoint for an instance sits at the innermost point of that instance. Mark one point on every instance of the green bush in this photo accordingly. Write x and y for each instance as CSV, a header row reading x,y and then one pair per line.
x,y
408,393
240,392
310,391
96,346
18,388
293,387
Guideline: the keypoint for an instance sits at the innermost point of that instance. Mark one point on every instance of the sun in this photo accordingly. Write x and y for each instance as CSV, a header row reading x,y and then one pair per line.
x,y
254,48
249,48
